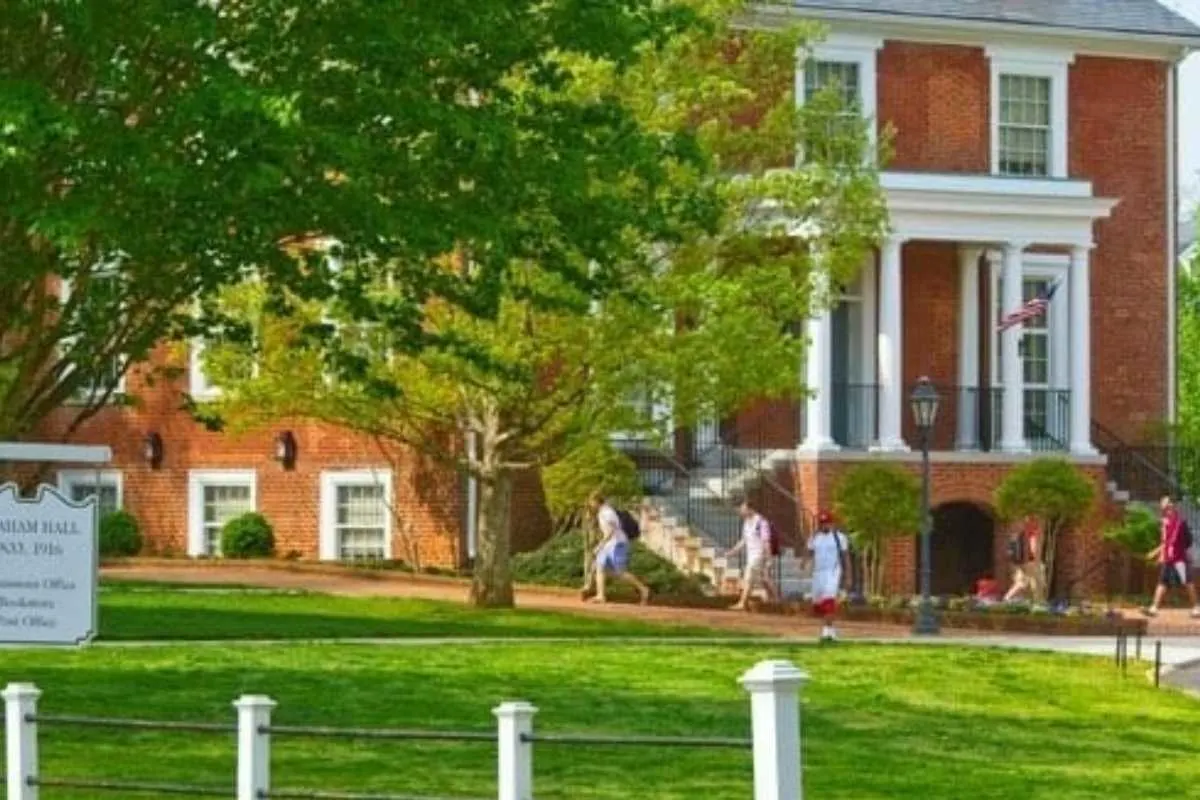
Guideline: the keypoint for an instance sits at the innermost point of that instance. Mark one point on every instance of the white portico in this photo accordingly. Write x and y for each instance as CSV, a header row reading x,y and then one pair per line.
x,y
995,221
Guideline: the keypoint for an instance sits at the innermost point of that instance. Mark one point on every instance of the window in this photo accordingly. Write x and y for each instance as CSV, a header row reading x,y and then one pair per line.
x,y
214,498
103,300
199,386
356,516
79,485
1024,127
847,62
821,75
1029,111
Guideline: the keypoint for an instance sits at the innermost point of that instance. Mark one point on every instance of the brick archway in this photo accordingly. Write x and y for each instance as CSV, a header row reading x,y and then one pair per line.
x,y
963,545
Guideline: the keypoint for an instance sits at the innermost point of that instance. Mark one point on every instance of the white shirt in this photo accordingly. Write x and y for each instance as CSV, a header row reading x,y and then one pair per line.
x,y
755,536
827,548
610,524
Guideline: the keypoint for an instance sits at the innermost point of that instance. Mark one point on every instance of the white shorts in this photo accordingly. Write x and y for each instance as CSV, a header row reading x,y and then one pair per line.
x,y
755,570
825,583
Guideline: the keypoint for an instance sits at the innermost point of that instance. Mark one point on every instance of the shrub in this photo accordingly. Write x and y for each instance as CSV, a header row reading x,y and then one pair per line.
x,y
1138,532
595,465
120,535
559,562
247,536
877,502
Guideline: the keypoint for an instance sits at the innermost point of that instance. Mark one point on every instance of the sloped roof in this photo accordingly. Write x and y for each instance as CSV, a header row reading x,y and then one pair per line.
x,y
1136,17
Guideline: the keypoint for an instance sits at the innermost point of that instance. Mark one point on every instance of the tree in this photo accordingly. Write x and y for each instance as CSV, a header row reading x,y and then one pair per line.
x,y
156,151
694,304
1052,491
878,502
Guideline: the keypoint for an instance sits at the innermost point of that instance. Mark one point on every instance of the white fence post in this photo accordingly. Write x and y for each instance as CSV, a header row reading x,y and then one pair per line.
x,y
20,738
515,767
774,688
254,746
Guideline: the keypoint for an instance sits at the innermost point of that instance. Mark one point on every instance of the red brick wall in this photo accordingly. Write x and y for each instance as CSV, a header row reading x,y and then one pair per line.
x,y
936,98
966,482
1118,141
429,497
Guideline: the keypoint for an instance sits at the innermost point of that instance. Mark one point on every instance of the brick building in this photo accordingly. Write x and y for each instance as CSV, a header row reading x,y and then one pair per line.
x,y
1033,146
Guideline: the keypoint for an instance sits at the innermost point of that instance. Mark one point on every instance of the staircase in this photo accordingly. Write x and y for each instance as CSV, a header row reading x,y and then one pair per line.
x,y
1143,474
690,515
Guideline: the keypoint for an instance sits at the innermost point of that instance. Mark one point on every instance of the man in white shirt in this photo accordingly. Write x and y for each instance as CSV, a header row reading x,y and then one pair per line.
x,y
612,554
756,542
830,552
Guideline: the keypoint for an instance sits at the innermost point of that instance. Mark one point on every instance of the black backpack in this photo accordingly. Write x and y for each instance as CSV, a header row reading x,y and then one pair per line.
x,y
629,525
1185,535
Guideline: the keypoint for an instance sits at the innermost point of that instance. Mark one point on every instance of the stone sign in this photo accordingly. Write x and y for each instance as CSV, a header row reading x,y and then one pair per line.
x,y
48,568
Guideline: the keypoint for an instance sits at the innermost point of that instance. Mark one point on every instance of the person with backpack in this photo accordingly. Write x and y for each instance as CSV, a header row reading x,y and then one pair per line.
x,y
617,530
830,552
1025,553
760,543
1172,556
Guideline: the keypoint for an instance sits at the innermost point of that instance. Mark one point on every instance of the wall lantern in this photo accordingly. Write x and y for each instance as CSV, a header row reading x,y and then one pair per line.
x,y
285,449
152,450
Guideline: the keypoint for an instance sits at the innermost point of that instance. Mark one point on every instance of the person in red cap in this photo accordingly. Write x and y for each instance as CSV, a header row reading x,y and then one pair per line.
x,y
830,553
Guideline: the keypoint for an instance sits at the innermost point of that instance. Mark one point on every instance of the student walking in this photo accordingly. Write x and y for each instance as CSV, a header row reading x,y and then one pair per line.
x,y
756,542
611,556
1029,574
829,549
1172,556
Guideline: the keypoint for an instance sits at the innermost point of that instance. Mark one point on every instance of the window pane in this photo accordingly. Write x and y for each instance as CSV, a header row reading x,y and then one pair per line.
x,y
361,521
1025,124
222,502
107,494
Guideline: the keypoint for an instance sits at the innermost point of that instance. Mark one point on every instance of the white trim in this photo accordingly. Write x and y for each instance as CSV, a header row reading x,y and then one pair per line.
x,y
56,453
69,478
1053,64
945,457
331,480
198,479
198,385
960,31
848,48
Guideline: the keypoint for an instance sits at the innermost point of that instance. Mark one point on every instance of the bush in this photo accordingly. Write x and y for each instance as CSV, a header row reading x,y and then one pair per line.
x,y
120,535
247,536
559,562
1138,532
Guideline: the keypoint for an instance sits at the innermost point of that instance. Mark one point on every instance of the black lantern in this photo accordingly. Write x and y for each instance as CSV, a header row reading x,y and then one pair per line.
x,y
924,402
152,450
285,449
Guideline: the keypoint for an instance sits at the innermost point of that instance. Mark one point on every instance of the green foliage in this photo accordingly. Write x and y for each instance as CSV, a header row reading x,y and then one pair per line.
x,y
596,465
877,502
120,535
1052,491
560,562
248,536
1138,532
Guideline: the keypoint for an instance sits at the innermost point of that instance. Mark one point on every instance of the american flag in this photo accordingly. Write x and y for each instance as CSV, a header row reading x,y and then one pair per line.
x,y
1031,310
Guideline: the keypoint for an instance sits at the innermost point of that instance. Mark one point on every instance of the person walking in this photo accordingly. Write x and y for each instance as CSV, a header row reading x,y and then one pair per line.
x,y
1029,574
756,543
830,552
611,556
1172,556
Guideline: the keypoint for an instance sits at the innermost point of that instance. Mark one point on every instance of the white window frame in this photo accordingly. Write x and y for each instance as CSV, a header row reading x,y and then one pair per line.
x,y
198,480
68,479
331,481
198,385
863,52
1035,63
89,393
1048,267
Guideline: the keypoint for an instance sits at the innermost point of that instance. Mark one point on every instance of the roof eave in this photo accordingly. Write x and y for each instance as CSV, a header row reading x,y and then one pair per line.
x,y
1182,44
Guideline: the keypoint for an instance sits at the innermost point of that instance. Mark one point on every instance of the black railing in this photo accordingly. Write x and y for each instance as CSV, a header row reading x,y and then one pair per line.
x,y
1048,419
1144,472
972,418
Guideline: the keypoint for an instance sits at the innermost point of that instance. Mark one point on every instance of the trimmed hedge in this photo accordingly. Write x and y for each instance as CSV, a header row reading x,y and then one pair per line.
x,y
248,536
559,562
120,535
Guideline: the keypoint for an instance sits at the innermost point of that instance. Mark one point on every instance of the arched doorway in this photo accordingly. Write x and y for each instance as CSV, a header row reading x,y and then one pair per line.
x,y
963,546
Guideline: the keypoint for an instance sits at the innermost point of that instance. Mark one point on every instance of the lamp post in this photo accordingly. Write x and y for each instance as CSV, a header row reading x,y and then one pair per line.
x,y
924,402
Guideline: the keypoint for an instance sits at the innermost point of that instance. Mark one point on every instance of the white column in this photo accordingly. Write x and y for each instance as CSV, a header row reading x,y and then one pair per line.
x,y
891,347
254,746
819,382
20,740
1012,429
774,688
867,281
515,763
969,385
1080,283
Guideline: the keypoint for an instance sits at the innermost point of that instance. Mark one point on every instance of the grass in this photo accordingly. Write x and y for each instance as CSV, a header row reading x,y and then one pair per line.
x,y
132,611
892,722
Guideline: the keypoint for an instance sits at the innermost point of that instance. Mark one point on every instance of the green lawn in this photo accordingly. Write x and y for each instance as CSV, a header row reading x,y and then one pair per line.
x,y
887,722
158,612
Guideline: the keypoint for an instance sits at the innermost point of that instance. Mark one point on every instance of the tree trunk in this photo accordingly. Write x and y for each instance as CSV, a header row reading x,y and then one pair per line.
x,y
491,584
1049,557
